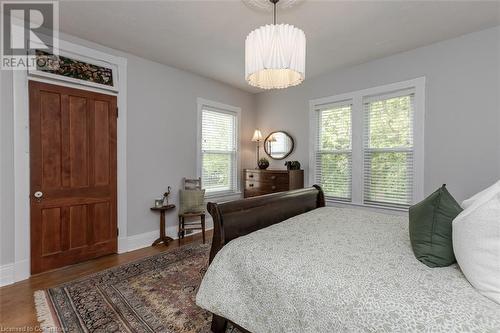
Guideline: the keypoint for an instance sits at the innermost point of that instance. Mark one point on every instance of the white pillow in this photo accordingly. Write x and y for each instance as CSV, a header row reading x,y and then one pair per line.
x,y
476,243
492,189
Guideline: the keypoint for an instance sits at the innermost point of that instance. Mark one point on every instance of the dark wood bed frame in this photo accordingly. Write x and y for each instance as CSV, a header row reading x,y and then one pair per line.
x,y
234,219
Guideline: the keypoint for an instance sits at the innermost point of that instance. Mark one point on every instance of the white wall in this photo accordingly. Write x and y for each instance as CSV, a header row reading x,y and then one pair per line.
x,y
161,146
161,139
462,126
462,121
6,169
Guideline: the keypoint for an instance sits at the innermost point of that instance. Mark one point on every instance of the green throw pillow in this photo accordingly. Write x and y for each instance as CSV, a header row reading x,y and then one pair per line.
x,y
192,201
430,228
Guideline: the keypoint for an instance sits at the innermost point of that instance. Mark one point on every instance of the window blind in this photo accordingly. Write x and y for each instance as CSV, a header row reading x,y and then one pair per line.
x,y
388,149
333,167
219,146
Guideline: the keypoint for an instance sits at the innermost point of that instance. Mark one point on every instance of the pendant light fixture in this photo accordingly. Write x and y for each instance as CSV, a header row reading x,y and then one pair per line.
x,y
275,55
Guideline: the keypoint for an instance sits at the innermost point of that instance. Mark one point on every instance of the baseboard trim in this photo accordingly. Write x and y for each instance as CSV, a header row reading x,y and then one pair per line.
x,y
6,274
143,240
15,272
122,244
22,270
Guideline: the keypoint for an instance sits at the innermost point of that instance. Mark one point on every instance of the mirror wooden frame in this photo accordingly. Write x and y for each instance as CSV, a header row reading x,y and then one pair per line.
x,y
289,152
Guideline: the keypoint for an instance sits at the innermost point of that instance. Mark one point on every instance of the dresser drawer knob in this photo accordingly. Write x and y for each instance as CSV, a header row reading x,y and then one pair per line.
x,y
250,185
273,177
250,175
273,187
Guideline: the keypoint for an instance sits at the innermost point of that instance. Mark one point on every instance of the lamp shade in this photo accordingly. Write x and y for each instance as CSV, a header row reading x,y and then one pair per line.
x,y
275,56
257,136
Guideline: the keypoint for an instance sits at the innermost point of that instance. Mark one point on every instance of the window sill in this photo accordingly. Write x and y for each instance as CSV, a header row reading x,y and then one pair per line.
x,y
375,208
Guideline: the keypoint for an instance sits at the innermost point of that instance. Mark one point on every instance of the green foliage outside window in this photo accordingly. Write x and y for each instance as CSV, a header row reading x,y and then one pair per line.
x,y
388,150
335,129
388,177
218,150
336,175
390,127
335,146
216,171
390,123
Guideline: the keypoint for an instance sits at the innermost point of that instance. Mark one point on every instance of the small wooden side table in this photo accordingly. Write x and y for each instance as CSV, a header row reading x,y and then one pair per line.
x,y
163,238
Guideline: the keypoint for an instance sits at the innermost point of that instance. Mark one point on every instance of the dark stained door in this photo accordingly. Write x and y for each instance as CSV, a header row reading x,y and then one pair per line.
x,y
73,175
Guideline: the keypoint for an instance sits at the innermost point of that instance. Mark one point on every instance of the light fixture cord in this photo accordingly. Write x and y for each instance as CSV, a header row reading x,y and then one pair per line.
x,y
275,13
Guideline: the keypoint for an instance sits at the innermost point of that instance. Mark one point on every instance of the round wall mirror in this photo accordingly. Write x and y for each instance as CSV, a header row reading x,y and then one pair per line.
x,y
278,145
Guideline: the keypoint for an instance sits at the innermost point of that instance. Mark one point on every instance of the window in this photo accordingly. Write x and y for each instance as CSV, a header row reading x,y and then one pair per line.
x,y
334,153
388,149
368,145
219,155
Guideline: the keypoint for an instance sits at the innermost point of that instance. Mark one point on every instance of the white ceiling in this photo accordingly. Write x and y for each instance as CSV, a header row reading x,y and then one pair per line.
x,y
207,37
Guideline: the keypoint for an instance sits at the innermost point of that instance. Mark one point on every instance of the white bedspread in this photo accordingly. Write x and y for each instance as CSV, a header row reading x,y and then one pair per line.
x,y
340,270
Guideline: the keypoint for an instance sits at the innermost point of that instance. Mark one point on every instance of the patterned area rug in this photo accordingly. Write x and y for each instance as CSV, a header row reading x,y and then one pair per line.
x,y
154,294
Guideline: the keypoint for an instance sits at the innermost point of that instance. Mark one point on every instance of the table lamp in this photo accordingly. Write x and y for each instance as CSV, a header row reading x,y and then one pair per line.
x,y
257,137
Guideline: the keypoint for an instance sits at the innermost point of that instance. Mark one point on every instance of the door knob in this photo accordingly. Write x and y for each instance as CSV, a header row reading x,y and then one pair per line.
x,y
38,194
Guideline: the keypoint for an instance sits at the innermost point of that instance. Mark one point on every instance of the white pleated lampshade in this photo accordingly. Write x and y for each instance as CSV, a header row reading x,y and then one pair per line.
x,y
275,56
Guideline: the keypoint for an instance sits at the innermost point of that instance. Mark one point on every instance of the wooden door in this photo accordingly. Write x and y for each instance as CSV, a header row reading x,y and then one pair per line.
x,y
73,174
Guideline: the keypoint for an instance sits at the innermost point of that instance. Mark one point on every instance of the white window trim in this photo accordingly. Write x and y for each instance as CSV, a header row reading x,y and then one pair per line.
x,y
224,108
418,85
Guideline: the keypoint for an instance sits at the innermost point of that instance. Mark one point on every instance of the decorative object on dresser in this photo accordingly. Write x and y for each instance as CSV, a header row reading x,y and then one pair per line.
x,y
278,145
163,237
192,205
263,163
260,182
257,137
292,165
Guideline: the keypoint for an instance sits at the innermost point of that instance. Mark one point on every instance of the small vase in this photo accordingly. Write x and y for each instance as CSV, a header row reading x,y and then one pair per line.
x,y
263,165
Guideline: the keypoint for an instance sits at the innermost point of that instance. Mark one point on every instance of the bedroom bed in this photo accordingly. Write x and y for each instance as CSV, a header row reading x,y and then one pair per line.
x,y
285,263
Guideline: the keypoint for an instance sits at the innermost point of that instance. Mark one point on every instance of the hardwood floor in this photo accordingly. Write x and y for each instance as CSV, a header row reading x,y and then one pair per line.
x,y
17,308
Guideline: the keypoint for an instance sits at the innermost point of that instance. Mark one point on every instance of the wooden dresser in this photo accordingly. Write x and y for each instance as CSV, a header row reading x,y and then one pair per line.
x,y
259,182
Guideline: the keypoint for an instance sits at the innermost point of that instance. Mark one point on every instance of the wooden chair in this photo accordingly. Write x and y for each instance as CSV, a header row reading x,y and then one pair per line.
x,y
191,184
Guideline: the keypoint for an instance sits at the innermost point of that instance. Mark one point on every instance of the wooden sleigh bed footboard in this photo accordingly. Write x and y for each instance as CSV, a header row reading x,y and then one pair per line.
x,y
234,219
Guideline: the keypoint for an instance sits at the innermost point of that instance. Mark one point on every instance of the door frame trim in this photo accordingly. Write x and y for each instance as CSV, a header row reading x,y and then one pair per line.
x,y
22,254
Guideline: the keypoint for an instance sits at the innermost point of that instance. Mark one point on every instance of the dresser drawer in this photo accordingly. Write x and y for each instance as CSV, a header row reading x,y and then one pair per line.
x,y
276,178
267,177
254,176
260,182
